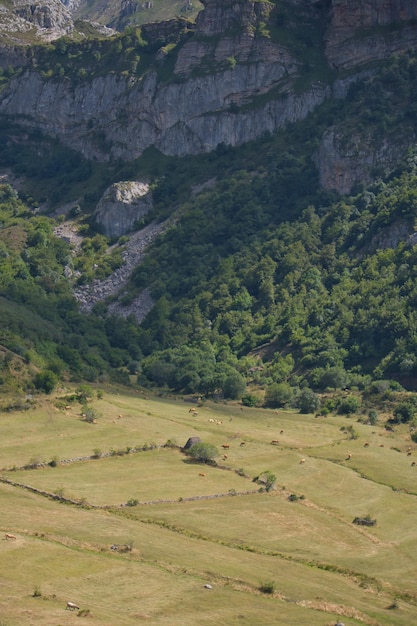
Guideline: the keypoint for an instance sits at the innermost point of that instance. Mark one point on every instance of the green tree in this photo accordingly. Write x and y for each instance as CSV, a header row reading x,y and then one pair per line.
x,y
45,381
234,385
277,395
203,452
348,405
308,401
404,412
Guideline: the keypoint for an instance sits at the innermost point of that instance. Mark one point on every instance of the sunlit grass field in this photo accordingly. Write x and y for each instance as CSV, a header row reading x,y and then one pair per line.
x,y
176,526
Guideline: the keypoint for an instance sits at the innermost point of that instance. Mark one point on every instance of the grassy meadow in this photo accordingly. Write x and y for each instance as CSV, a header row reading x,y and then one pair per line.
x,y
179,526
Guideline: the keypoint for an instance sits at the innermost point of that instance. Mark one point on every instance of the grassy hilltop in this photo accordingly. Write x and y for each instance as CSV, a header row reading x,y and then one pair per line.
x,y
291,555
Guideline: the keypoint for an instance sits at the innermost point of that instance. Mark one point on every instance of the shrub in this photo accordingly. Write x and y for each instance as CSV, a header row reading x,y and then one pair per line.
x,y
45,381
267,586
277,395
348,405
90,415
250,399
404,413
268,479
308,401
203,452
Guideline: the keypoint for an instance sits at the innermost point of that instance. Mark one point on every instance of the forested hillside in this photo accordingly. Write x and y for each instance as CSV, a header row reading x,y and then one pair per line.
x,y
266,279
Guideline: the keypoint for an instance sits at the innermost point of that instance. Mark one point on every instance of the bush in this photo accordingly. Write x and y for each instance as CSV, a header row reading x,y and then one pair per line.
x,y
90,415
348,405
278,395
308,401
250,399
203,452
404,413
45,381
267,587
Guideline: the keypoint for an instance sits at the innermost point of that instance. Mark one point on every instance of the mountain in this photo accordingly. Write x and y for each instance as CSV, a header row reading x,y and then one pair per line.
x,y
244,69
265,155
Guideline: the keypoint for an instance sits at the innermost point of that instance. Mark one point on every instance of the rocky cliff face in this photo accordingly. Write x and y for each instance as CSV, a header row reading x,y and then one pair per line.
x,y
229,85
231,82
363,31
22,21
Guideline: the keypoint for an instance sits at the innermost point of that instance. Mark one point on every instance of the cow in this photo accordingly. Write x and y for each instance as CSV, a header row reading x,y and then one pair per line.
x,y
201,474
242,443
274,442
72,606
348,456
302,461
9,536
225,446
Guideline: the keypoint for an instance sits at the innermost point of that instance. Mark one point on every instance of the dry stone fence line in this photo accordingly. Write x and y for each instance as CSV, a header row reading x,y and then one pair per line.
x,y
60,498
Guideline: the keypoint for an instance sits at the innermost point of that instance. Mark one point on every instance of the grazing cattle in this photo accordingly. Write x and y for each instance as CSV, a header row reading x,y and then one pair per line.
x,y
413,464
211,420
242,443
409,453
72,606
302,461
224,457
225,446
281,432
348,456
201,474
8,536
274,442
366,445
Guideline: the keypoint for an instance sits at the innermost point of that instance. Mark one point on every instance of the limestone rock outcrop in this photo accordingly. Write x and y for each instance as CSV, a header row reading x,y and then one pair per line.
x,y
45,20
121,205
228,79
362,31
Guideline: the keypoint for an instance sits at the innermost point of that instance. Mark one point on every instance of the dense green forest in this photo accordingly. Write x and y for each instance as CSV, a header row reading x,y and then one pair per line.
x,y
268,288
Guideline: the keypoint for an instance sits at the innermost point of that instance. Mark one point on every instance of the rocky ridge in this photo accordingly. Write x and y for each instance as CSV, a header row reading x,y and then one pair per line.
x,y
231,83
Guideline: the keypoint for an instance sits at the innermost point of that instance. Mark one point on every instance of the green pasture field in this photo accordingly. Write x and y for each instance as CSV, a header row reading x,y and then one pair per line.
x,y
182,530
